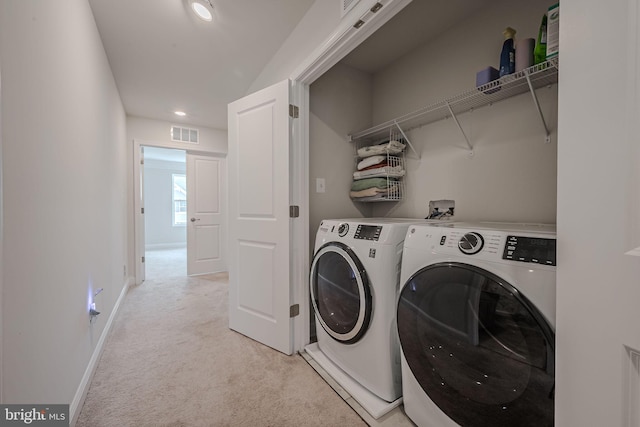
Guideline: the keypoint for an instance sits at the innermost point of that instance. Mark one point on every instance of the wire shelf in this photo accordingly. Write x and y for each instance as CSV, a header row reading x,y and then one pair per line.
x,y
394,193
393,169
543,74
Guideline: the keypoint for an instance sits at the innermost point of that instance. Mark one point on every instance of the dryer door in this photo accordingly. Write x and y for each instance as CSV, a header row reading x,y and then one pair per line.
x,y
340,292
477,347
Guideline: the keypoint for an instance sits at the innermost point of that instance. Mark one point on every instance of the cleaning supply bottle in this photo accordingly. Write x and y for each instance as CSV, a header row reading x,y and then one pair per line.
x,y
540,51
508,54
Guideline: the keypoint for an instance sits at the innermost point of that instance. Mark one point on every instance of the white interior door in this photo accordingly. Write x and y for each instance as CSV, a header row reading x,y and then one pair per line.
x,y
205,215
259,224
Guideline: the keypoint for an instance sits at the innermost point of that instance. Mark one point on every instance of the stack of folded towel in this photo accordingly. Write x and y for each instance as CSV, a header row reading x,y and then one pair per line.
x,y
390,147
370,188
375,175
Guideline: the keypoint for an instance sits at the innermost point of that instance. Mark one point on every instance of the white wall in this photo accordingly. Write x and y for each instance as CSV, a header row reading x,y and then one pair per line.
x,y
65,207
339,100
598,216
158,204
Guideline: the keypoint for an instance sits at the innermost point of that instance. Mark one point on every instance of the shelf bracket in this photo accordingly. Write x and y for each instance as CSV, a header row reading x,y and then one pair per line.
x,y
537,105
455,119
404,135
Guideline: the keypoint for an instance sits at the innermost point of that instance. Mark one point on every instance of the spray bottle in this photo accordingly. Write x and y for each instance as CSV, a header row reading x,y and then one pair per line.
x,y
508,54
540,51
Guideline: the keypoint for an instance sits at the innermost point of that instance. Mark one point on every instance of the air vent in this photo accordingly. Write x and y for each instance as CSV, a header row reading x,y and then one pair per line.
x,y
181,134
347,5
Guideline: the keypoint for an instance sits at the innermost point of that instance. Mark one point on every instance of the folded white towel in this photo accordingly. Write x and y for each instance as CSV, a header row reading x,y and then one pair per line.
x,y
370,161
390,171
392,147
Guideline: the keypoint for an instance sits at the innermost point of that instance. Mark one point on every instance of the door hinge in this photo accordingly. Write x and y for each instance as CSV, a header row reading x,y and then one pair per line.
x,y
142,210
143,260
294,310
142,161
294,211
376,7
294,111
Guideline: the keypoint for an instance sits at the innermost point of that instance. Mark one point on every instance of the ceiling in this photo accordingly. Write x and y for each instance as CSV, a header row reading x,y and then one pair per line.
x,y
165,59
418,23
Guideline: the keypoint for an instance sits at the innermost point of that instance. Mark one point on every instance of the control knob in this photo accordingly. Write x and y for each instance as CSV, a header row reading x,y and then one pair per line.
x,y
471,243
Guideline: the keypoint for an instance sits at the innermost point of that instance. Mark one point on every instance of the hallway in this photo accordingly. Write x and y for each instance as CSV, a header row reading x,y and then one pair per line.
x,y
171,360
164,263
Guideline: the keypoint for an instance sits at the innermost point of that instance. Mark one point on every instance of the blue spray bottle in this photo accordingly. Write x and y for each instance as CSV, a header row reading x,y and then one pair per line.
x,y
508,54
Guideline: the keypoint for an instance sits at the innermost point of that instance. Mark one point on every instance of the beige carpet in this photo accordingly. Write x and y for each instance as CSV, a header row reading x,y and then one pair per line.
x,y
171,360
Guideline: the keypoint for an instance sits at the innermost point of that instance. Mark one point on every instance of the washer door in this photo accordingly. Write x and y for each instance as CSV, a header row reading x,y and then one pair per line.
x,y
477,347
340,292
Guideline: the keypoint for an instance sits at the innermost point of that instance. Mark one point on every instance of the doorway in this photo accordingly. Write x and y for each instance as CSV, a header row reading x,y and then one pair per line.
x,y
203,178
165,197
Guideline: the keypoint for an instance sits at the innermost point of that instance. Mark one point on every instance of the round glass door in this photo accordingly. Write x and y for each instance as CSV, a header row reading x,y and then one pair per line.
x,y
340,292
477,347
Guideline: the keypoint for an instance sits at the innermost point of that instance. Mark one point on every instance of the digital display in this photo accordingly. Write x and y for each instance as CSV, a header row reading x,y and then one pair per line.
x,y
368,232
530,249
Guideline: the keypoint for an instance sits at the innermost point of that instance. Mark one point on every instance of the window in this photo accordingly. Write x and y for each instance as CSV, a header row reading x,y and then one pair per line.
x,y
179,198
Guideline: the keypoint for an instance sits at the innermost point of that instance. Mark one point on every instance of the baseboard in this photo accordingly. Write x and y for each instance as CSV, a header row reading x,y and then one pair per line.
x,y
83,388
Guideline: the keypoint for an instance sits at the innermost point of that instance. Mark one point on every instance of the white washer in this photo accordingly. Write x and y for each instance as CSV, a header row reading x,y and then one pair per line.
x,y
354,281
476,321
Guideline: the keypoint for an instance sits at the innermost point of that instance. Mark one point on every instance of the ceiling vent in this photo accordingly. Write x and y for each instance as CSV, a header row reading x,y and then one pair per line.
x,y
347,5
181,134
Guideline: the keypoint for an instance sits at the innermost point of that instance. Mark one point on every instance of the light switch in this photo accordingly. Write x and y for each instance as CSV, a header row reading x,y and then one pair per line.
x,y
320,186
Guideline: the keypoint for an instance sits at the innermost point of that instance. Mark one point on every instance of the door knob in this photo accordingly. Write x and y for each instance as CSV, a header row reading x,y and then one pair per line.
x,y
195,219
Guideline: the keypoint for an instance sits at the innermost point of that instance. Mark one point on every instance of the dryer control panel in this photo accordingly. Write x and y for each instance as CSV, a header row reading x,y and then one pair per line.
x,y
368,232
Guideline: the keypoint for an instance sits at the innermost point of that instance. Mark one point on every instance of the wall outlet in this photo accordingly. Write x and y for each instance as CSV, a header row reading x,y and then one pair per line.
x,y
320,185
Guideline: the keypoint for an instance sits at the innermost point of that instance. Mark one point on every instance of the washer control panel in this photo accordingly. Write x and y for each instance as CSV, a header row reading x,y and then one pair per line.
x,y
368,232
486,244
530,249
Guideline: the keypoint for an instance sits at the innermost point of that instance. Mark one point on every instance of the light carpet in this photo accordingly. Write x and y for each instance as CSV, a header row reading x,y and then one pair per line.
x,y
171,360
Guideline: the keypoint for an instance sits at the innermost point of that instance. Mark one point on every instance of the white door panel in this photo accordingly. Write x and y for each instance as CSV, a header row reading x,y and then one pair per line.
x,y
259,235
205,216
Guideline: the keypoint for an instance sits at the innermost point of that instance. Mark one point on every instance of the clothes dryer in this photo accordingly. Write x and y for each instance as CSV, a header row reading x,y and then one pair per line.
x,y
354,281
476,318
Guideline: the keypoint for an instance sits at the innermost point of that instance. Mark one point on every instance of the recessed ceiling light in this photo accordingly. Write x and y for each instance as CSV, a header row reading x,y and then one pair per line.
x,y
201,10
180,113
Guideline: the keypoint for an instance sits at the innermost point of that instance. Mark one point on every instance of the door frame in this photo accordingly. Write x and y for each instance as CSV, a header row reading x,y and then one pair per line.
x,y
138,222
342,41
